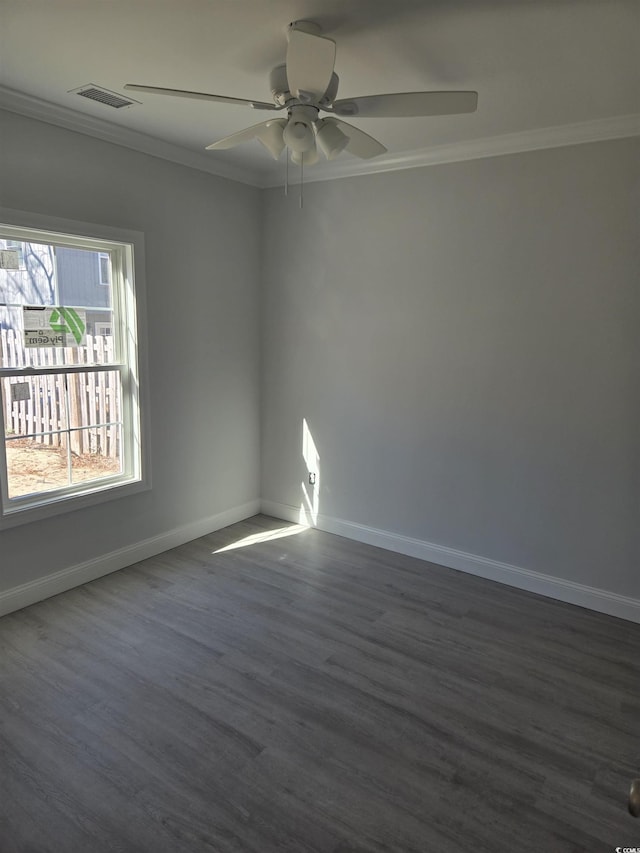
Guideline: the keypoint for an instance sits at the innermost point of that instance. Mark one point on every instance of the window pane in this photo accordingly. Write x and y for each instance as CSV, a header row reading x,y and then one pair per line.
x,y
95,399
47,414
39,404
34,404
65,296
90,463
30,276
34,466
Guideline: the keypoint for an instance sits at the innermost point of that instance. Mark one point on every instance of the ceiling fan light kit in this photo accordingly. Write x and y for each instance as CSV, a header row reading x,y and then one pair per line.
x,y
331,140
306,158
299,133
272,137
306,85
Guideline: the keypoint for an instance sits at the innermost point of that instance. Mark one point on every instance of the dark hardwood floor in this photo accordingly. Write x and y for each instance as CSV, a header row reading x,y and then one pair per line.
x,y
309,693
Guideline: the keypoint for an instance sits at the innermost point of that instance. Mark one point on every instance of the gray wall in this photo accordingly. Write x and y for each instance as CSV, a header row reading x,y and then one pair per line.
x,y
202,236
463,343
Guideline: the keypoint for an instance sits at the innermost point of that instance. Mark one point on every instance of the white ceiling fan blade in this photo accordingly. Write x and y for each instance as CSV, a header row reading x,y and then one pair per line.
x,y
310,61
239,137
360,143
199,96
407,104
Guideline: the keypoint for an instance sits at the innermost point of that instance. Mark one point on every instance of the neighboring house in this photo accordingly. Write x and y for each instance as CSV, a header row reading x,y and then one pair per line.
x,y
60,276
84,281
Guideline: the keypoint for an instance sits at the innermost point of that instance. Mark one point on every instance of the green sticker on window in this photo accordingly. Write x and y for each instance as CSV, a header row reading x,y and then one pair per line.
x,y
54,327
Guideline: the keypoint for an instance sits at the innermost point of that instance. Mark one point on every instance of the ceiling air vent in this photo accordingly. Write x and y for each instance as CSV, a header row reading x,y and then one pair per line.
x,y
103,96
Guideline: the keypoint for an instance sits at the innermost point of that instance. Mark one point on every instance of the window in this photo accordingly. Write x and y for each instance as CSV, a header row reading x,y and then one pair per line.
x,y
102,328
71,409
104,268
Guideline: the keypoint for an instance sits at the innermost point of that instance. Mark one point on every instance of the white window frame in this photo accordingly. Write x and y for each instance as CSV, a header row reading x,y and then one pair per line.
x,y
126,250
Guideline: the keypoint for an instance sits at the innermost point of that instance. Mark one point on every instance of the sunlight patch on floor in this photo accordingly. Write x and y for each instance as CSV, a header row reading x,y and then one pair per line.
x,y
267,536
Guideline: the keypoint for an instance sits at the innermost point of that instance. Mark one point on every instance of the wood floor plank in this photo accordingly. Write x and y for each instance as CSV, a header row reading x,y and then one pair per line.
x,y
302,692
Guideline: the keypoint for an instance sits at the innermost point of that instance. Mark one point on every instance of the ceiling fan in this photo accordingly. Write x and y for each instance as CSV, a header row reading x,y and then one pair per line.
x,y
307,85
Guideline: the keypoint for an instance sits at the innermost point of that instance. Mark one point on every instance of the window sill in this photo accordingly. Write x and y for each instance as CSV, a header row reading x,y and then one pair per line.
x,y
46,505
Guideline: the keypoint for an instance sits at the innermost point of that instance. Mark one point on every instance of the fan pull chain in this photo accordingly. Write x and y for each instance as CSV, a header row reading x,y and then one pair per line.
x,y
286,172
301,178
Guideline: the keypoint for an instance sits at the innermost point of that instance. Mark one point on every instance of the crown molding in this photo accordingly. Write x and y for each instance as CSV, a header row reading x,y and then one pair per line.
x,y
596,130
31,107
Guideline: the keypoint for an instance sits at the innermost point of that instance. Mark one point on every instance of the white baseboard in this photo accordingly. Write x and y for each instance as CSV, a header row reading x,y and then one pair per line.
x,y
592,598
571,592
37,590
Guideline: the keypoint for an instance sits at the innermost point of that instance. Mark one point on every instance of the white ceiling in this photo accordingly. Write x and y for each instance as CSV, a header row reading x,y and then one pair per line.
x,y
537,64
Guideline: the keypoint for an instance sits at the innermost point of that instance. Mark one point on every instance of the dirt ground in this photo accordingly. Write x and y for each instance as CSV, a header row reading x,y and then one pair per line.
x,y
36,467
